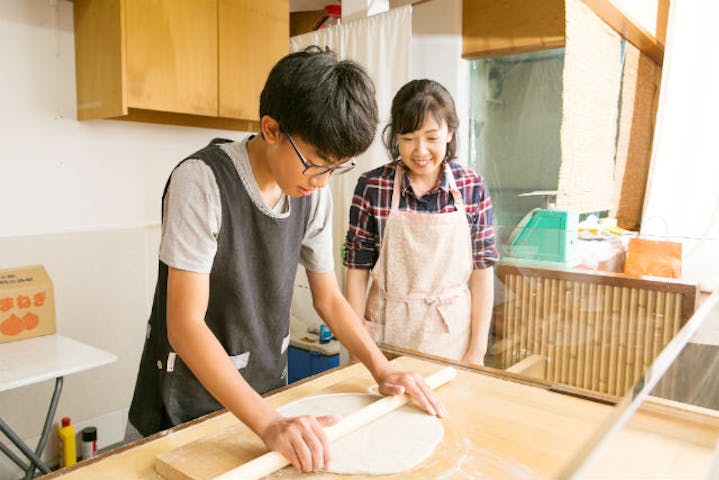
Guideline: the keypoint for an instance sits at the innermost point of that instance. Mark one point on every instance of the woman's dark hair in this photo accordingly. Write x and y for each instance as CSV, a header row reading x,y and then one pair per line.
x,y
329,104
410,107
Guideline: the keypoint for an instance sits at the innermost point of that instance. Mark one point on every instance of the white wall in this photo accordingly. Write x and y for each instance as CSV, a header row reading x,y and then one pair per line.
x,y
437,55
83,199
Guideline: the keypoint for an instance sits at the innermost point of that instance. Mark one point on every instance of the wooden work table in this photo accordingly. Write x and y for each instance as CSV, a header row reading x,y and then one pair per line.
x,y
497,428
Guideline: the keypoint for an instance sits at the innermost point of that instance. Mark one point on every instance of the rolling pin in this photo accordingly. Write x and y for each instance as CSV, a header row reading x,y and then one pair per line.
x,y
272,461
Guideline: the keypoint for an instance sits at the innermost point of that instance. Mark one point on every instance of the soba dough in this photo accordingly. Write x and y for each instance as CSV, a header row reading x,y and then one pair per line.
x,y
394,443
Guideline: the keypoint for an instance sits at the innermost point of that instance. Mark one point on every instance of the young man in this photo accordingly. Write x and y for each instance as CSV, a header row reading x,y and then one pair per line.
x,y
237,219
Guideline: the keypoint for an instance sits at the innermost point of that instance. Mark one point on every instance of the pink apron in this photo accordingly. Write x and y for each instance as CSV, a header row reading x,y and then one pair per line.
x,y
420,298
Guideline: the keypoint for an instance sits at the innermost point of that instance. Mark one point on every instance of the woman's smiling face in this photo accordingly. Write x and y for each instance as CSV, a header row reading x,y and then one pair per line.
x,y
424,150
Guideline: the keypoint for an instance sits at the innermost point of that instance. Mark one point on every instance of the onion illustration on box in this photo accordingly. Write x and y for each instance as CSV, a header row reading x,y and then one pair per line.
x,y
27,307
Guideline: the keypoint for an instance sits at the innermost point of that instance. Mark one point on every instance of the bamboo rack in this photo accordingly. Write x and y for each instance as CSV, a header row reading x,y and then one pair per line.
x,y
596,330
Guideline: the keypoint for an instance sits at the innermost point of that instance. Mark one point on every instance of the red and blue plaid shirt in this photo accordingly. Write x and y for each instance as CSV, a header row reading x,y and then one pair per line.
x,y
372,201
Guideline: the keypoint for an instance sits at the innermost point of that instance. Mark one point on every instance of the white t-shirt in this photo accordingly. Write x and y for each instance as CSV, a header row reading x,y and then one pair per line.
x,y
192,216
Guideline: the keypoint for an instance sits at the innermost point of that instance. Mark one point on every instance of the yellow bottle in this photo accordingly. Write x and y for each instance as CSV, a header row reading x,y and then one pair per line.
x,y
66,449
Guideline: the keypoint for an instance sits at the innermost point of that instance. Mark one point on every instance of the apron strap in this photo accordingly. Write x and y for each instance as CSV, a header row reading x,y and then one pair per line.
x,y
397,191
458,201
397,187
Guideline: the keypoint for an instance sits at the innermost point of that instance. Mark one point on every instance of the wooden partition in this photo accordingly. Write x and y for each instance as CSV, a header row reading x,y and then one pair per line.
x,y
595,330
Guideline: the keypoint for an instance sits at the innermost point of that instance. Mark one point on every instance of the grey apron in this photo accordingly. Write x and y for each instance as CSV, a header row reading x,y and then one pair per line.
x,y
251,285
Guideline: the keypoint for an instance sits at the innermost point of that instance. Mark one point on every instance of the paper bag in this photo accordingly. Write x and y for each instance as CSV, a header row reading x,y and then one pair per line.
x,y
653,257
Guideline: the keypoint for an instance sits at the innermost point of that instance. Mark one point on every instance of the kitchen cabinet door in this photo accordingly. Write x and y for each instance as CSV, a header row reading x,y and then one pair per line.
x,y
185,62
172,55
252,37
100,58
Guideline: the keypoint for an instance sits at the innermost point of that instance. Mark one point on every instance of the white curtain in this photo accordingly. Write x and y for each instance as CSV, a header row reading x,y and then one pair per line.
x,y
381,43
682,198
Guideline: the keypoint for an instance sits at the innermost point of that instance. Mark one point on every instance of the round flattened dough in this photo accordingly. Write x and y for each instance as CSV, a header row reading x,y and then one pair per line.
x,y
394,443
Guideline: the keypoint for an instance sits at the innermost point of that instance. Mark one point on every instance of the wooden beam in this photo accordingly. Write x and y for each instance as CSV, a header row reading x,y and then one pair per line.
x,y
491,28
629,30
662,21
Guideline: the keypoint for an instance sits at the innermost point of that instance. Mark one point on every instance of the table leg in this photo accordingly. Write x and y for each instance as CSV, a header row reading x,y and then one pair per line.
x,y
17,441
33,457
30,471
11,455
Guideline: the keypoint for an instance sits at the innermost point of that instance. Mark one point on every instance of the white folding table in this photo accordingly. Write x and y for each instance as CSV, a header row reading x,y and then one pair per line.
x,y
34,360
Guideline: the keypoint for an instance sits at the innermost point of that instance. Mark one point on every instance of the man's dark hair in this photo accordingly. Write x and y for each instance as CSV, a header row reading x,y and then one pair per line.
x,y
411,105
329,104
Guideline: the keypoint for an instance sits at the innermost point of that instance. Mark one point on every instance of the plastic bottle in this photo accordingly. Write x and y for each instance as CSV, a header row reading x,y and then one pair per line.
x,y
333,15
325,334
66,449
88,446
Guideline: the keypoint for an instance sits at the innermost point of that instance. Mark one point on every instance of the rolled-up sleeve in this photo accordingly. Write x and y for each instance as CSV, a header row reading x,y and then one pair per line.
x,y
361,248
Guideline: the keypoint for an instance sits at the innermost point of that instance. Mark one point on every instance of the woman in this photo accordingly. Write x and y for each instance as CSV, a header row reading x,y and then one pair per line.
x,y
421,227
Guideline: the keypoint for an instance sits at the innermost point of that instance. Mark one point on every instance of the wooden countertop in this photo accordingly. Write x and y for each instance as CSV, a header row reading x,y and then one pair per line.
x,y
496,428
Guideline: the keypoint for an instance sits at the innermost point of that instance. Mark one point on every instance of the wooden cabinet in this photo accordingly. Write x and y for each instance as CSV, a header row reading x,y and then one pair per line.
x,y
172,55
189,62
253,36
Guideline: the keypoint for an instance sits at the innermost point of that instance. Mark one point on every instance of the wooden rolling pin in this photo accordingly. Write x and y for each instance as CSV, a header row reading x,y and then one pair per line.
x,y
273,461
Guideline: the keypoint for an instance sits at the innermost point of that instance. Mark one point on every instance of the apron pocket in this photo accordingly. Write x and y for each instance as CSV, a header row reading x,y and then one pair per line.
x,y
185,398
240,361
285,344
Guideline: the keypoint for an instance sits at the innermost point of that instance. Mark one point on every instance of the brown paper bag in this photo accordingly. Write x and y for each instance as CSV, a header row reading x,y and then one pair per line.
x,y
653,257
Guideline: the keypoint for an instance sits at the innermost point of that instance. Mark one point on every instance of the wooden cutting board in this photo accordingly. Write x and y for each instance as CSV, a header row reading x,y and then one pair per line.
x,y
495,428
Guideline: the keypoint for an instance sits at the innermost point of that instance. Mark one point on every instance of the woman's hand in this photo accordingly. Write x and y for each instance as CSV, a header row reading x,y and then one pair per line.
x,y
394,382
301,439
473,357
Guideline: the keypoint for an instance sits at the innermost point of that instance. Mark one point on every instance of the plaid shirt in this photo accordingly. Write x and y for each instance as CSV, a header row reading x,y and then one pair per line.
x,y
372,202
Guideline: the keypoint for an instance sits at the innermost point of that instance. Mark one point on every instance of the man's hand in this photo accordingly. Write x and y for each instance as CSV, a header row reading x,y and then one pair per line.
x,y
301,439
393,382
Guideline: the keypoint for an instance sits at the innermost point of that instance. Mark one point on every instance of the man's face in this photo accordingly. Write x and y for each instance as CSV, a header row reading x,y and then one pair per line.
x,y
301,168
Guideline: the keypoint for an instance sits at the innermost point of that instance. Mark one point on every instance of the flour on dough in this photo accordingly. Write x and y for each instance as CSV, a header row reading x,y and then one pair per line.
x,y
394,443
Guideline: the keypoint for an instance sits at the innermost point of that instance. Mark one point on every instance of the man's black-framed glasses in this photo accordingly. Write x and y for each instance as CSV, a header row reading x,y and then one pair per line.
x,y
315,170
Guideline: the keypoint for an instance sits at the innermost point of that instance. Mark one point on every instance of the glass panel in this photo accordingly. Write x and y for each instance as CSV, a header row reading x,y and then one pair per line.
x,y
594,323
667,426
515,120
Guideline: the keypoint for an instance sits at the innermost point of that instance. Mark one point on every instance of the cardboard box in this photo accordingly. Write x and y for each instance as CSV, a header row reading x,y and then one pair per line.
x,y
27,303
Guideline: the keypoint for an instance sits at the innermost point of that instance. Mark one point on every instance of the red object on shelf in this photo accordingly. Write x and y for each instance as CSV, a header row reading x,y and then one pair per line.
x,y
333,16
335,10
